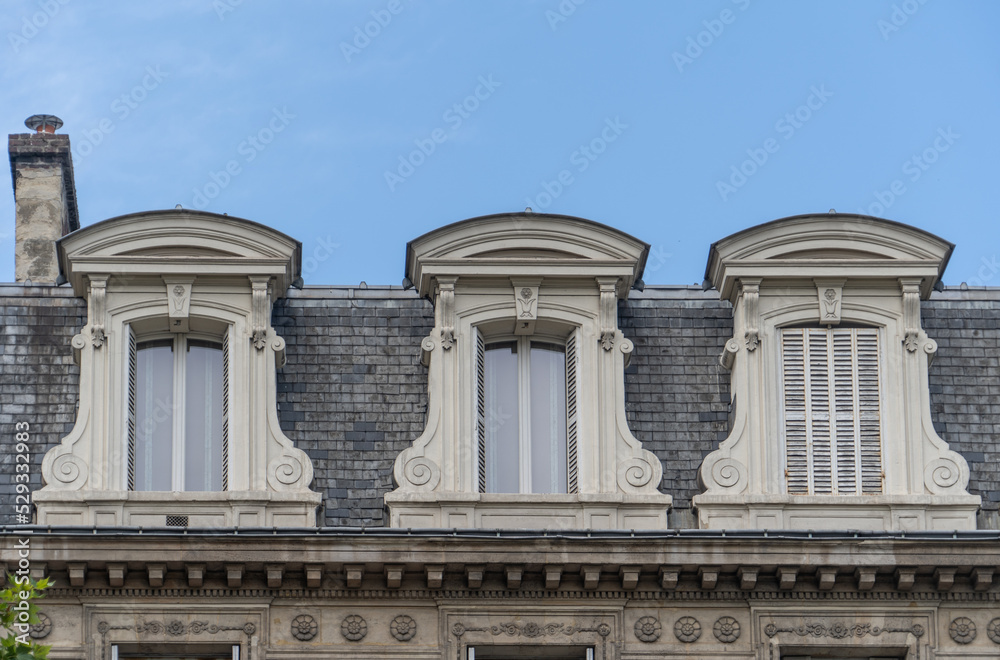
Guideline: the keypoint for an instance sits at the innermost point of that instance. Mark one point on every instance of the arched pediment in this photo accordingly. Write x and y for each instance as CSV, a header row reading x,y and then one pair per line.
x,y
828,245
525,244
179,241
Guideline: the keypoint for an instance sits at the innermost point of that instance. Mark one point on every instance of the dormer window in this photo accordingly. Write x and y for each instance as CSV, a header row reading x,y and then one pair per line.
x,y
526,424
178,415
831,415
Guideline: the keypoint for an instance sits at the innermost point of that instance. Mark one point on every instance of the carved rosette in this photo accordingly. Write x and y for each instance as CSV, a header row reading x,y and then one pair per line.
x,y
648,629
354,628
993,630
41,629
403,628
962,630
304,627
726,629
687,629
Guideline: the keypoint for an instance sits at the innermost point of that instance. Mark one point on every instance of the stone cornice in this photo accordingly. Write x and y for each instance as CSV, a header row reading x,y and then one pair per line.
x,y
960,567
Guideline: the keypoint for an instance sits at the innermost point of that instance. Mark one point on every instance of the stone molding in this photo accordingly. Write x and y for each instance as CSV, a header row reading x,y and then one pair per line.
x,y
822,271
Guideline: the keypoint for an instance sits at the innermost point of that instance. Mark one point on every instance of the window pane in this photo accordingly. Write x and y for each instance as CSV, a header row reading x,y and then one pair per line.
x,y
503,462
548,418
203,418
154,416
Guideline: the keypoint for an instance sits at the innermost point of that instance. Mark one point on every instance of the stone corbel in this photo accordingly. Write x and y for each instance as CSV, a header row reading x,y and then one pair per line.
x,y
911,313
261,332
526,305
178,302
98,306
444,311
609,312
829,294
751,312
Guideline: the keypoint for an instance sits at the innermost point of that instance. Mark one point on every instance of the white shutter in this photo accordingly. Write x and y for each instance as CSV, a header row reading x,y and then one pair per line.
x,y
130,419
831,418
571,417
481,408
869,399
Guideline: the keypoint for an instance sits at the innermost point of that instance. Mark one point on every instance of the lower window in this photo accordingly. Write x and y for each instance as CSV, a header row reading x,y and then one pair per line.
x,y
163,652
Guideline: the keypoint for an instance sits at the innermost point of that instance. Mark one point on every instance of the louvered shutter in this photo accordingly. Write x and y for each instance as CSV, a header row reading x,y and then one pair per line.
x,y
225,410
132,367
571,416
831,411
481,408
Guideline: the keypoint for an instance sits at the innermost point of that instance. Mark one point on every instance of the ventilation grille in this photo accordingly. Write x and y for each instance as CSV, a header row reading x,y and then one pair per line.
x,y
177,521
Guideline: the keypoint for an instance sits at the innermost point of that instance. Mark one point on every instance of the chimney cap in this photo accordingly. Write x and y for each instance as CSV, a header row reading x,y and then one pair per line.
x,y
43,123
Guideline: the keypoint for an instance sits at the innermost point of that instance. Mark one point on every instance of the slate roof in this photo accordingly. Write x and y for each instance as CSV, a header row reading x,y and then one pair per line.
x,y
353,393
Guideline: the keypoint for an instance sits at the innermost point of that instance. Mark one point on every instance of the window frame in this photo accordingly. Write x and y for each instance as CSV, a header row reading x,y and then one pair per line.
x,y
523,345
180,344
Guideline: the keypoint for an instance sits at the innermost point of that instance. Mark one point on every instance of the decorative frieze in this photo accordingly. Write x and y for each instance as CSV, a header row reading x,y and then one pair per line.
x,y
648,629
726,629
403,628
838,630
304,627
962,630
41,629
687,629
353,628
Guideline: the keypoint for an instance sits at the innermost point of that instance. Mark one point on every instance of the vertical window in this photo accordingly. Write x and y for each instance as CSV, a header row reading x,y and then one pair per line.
x,y
832,421
526,404
178,431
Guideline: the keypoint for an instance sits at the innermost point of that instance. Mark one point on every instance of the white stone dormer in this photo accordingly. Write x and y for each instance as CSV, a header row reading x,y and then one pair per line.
x,y
526,422
177,422
831,409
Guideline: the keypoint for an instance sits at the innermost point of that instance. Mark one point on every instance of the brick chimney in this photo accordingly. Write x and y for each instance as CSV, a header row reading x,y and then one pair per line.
x,y
41,167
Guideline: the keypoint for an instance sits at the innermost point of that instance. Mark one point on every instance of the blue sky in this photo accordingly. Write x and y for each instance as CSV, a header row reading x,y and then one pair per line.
x,y
357,126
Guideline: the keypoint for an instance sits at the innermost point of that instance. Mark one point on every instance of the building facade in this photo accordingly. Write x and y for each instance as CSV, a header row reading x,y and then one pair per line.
x,y
523,452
